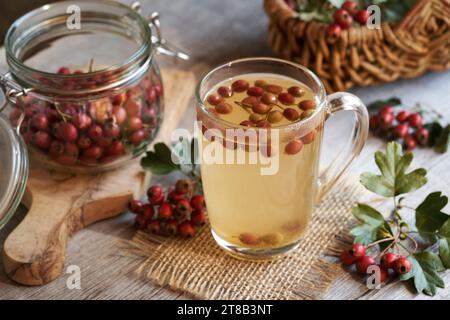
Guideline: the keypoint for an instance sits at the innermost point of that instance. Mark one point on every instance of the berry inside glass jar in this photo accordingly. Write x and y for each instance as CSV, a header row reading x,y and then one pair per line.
x,y
91,132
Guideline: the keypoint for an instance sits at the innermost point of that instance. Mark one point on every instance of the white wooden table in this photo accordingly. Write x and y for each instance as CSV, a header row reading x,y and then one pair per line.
x,y
235,29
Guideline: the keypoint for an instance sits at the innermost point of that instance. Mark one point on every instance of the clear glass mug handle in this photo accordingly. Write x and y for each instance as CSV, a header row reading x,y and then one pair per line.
x,y
342,101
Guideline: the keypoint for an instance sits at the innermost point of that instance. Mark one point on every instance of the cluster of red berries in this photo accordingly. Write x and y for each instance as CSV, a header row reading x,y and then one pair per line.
x,y
174,213
403,126
357,254
95,132
344,17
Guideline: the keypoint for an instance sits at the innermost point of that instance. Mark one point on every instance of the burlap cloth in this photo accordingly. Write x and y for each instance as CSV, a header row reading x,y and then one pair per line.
x,y
199,267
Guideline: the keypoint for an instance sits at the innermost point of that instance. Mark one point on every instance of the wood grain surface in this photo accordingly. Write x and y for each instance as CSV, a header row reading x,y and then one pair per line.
x,y
216,31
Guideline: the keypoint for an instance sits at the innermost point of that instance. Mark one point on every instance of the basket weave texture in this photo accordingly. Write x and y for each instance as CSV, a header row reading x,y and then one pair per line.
x,y
363,56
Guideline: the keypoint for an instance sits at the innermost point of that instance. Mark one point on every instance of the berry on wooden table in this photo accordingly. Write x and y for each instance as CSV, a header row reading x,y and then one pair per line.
x,y
358,250
165,211
154,226
415,120
135,206
402,116
186,229
347,258
155,194
364,263
198,218
402,265
388,259
198,202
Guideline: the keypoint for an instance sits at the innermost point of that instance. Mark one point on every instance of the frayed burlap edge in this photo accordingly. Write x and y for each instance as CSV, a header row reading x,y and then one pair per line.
x,y
314,283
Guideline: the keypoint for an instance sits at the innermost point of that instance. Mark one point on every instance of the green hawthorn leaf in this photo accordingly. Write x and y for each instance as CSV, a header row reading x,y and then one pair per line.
x,y
377,105
373,226
411,181
434,130
443,140
424,270
377,184
159,161
393,180
429,217
444,243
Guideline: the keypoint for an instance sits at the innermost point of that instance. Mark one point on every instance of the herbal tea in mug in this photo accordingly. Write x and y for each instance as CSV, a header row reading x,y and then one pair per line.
x,y
262,122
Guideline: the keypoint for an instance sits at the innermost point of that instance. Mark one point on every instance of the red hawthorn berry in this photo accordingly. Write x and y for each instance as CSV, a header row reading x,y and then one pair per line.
x,y
174,196
172,227
422,136
415,120
401,130
186,229
409,142
358,250
64,71
402,116
141,221
183,209
198,218
402,265
346,258
387,108
343,18
385,118
364,263
155,194
334,30
165,211
350,6
384,274
198,202
388,259
184,186
154,226
362,16
135,206
147,211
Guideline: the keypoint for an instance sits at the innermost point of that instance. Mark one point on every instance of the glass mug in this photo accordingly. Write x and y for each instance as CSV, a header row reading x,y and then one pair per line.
x,y
256,215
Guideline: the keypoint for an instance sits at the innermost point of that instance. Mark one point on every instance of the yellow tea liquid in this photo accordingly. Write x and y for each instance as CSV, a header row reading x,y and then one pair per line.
x,y
264,212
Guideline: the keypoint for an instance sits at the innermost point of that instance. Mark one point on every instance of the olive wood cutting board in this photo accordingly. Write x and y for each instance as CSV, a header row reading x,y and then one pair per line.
x,y
62,204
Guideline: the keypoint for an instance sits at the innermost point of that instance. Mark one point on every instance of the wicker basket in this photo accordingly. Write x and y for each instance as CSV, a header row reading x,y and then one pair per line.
x,y
362,56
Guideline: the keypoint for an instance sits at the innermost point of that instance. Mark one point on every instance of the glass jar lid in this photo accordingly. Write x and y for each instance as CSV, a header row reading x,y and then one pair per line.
x,y
13,170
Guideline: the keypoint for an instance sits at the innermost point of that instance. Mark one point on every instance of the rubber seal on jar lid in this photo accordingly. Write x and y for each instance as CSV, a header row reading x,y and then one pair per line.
x,y
13,170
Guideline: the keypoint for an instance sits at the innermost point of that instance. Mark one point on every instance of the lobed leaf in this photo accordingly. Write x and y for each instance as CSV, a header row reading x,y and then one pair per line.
x,y
393,180
373,225
159,161
424,270
429,217
444,243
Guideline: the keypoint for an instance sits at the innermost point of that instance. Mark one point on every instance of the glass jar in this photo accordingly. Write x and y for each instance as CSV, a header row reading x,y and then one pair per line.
x,y
84,92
